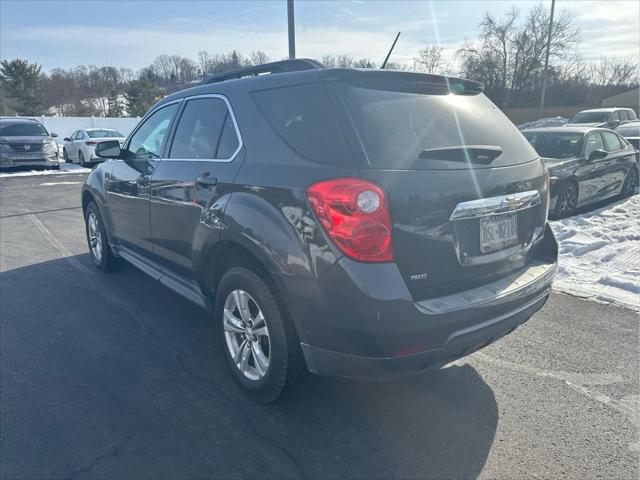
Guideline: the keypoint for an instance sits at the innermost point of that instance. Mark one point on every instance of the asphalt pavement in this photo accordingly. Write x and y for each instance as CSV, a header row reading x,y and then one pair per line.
x,y
113,376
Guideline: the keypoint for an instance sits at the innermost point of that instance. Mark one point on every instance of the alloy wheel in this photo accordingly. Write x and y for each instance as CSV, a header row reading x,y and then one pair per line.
x,y
95,238
630,183
567,201
247,335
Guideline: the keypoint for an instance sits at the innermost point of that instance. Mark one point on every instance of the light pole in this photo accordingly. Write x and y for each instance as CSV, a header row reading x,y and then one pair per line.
x,y
546,58
292,30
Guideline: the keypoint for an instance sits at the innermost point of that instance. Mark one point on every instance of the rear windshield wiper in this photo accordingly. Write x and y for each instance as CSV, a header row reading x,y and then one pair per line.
x,y
483,154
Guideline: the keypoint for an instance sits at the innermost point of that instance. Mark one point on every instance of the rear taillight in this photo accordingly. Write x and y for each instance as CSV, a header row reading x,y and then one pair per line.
x,y
91,142
355,215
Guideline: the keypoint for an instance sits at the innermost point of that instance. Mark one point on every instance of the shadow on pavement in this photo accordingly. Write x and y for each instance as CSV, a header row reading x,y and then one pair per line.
x,y
113,376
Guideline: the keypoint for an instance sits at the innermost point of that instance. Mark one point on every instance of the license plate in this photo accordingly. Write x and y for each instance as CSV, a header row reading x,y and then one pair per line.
x,y
498,232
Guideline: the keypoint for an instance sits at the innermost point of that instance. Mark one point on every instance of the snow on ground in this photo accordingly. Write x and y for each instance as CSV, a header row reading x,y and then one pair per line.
x,y
544,122
600,254
64,168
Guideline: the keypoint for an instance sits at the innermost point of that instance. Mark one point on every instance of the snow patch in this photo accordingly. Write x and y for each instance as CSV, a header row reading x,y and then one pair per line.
x,y
600,254
64,168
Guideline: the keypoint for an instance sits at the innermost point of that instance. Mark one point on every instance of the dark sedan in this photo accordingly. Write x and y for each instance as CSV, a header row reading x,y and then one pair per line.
x,y
586,165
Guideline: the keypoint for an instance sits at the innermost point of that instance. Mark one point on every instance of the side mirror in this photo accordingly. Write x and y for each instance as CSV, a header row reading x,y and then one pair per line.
x,y
597,155
54,134
66,139
614,123
108,149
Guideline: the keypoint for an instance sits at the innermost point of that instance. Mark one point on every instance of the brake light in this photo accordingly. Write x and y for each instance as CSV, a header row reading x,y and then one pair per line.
x,y
355,215
91,142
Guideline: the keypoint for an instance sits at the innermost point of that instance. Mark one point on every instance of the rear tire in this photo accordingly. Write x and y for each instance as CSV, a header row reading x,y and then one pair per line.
x,y
98,242
567,201
630,183
258,341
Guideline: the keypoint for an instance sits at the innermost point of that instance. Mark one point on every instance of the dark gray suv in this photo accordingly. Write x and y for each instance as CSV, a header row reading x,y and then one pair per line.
x,y
353,223
24,142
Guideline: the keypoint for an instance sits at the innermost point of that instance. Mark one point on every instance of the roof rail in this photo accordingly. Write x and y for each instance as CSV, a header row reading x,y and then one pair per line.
x,y
273,67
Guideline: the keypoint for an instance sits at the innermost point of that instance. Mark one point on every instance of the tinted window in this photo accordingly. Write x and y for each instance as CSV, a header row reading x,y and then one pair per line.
x,y
615,116
22,129
402,129
590,117
305,119
104,133
555,144
624,115
80,135
612,142
148,140
632,115
594,142
205,130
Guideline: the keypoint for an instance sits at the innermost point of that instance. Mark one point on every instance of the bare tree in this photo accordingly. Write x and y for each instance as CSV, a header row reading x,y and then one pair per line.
x,y
431,60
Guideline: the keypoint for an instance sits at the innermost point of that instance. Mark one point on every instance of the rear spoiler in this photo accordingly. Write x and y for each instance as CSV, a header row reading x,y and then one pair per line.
x,y
403,81
283,66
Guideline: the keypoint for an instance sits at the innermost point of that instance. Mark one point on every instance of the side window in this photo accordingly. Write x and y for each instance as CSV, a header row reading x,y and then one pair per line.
x,y
632,115
624,115
205,130
80,135
148,140
614,117
594,142
74,136
611,141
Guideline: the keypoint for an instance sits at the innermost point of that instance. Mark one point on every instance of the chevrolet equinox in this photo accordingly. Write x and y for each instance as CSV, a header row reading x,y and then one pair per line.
x,y
359,223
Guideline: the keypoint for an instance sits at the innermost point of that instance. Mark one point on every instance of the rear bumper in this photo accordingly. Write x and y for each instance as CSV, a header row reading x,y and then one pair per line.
x,y
461,343
359,319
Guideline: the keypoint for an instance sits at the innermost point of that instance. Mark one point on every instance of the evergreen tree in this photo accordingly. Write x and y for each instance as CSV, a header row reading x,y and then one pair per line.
x,y
141,95
22,86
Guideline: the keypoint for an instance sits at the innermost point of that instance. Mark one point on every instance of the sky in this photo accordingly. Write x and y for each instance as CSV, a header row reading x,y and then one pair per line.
x,y
58,33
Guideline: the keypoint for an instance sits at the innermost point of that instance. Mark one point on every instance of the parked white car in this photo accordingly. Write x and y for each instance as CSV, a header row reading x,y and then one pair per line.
x,y
80,146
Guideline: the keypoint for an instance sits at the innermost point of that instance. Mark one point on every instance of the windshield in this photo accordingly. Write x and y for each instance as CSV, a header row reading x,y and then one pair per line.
x,y
554,144
590,117
104,133
22,129
402,129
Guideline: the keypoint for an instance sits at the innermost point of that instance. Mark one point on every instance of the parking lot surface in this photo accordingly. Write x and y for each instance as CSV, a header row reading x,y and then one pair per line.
x,y
114,376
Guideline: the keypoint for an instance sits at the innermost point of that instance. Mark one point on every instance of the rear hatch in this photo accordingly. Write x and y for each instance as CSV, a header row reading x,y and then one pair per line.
x,y
467,191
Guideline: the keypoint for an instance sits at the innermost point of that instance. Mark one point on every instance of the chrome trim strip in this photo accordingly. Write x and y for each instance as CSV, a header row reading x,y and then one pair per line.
x,y
484,207
517,285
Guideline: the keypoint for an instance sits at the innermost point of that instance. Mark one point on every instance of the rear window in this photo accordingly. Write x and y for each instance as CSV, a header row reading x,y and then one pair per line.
x,y
410,130
305,119
555,144
629,130
104,134
22,129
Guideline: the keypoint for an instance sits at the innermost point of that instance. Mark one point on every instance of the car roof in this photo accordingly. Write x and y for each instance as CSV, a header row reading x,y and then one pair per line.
x,y
607,109
565,129
98,128
18,120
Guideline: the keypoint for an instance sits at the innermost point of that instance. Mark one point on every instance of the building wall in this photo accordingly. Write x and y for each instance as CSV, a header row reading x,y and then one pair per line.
x,y
629,99
65,126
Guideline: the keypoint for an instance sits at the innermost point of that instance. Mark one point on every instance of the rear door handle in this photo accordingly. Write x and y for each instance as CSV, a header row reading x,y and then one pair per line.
x,y
206,180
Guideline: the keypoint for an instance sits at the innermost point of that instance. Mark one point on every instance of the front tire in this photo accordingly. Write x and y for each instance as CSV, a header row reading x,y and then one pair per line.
x,y
567,201
97,239
259,343
81,158
65,156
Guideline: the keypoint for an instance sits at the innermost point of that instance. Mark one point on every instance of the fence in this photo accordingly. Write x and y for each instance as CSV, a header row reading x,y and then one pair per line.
x,y
65,126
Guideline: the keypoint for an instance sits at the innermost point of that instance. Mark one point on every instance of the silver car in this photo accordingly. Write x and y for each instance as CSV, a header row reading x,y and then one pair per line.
x,y
24,142
81,145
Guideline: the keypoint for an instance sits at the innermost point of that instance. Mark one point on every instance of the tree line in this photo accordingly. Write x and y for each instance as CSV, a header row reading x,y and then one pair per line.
x,y
507,57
